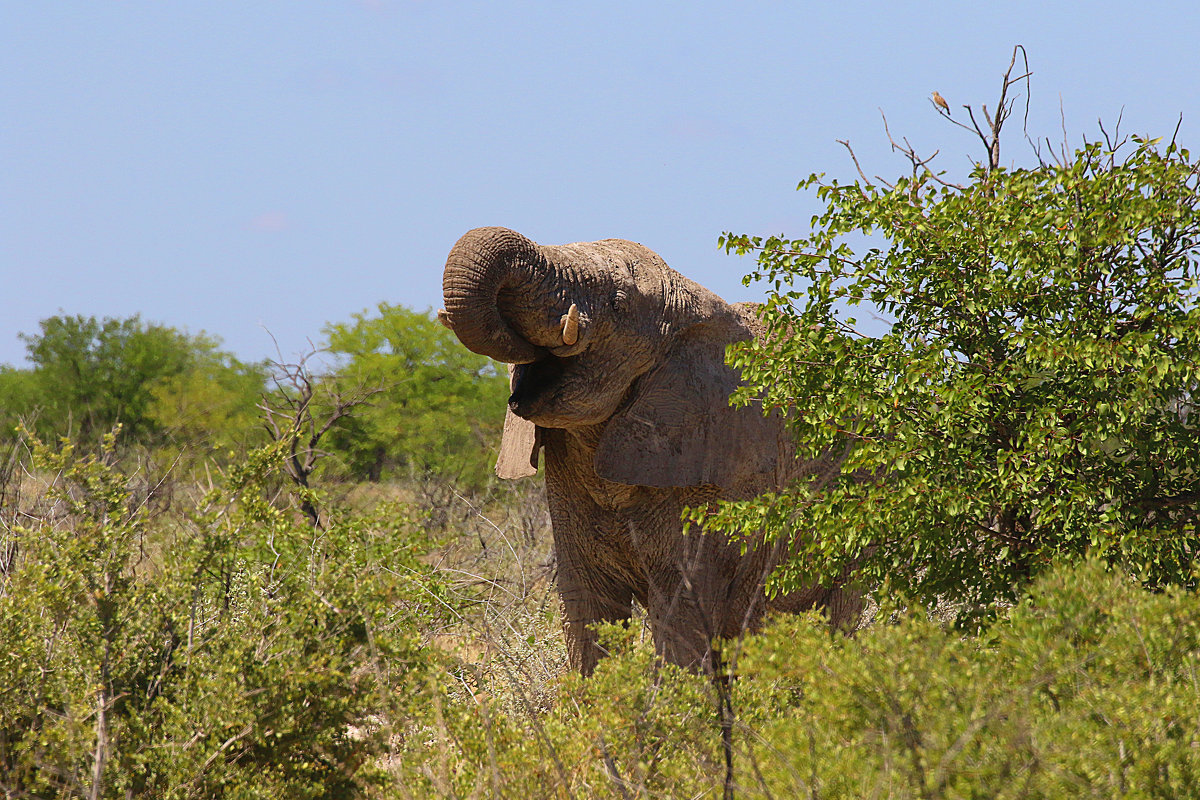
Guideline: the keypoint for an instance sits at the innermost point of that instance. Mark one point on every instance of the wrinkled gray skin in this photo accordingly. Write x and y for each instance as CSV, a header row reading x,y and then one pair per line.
x,y
631,410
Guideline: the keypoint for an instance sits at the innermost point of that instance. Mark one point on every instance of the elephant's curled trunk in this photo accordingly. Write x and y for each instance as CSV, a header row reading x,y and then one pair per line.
x,y
484,263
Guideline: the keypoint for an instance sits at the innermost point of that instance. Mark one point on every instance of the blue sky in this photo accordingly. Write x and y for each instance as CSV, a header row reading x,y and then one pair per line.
x,y
251,166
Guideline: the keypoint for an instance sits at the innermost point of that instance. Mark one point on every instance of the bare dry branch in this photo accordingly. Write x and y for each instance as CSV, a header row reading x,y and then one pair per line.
x,y
983,137
288,417
918,163
846,144
989,135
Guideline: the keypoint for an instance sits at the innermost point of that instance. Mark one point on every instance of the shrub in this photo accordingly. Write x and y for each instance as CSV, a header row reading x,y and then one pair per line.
x,y
225,651
1089,689
1034,395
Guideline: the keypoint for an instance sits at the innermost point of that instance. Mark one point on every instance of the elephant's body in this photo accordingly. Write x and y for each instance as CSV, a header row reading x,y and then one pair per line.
x,y
621,381
617,543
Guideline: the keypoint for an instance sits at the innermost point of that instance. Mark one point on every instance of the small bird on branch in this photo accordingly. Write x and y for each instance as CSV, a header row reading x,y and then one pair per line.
x,y
941,103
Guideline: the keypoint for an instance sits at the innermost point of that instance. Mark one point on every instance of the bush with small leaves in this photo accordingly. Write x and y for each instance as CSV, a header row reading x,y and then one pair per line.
x,y
1090,687
227,650
1033,398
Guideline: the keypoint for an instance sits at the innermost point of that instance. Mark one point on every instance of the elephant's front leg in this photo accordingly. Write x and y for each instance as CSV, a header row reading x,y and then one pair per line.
x,y
689,599
597,572
590,595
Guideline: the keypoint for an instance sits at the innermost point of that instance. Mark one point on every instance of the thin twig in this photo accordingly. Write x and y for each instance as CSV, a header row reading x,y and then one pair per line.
x,y
846,144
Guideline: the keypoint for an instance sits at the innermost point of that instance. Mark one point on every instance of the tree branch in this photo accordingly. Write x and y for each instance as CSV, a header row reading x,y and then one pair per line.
x,y
288,419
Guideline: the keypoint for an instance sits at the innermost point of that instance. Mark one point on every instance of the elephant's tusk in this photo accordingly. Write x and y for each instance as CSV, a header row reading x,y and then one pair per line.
x,y
570,325
444,317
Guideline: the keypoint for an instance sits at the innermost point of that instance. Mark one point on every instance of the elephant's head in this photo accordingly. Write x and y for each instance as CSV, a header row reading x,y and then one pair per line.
x,y
578,321
595,331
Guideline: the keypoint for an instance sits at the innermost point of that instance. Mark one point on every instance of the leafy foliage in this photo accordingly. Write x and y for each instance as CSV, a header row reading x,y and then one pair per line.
x,y
18,397
636,728
211,404
442,407
88,375
1088,689
232,652
1034,396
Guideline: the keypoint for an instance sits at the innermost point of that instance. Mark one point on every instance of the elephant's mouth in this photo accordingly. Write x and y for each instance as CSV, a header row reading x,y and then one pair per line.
x,y
534,383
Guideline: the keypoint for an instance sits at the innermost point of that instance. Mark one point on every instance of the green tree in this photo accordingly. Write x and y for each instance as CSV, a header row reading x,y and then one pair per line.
x,y
212,403
442,406
90,374
18,398
1033,398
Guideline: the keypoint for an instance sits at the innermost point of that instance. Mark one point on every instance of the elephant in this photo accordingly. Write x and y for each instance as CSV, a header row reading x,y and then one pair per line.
x,y
618,376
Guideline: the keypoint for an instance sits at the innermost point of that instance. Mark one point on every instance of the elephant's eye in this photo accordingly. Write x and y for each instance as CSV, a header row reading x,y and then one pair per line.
x,y
619,300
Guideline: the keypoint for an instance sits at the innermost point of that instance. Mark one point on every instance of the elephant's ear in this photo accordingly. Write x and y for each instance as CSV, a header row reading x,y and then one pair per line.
x,y
678,428
519,445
